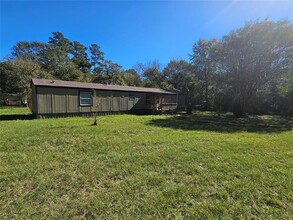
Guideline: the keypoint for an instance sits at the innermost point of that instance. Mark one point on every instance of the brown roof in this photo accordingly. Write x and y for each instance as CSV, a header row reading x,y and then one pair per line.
x,y
84,85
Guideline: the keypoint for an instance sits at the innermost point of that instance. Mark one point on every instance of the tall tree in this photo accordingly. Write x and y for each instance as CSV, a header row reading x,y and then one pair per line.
x,y
28,50
203,57
16,74
58,40
253,57
152,74
97,58
80,57
109,73
178,73
57,63
131,77
56,59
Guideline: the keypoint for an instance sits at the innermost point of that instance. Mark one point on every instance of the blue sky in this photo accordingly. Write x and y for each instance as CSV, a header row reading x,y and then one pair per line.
x,y
132,31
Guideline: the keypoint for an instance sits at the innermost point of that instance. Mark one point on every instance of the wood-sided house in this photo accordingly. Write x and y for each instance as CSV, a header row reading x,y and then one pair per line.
x,y
67,98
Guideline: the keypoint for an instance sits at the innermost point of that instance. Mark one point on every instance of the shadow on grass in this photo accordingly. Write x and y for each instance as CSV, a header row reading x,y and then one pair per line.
x,y
226,123
16,117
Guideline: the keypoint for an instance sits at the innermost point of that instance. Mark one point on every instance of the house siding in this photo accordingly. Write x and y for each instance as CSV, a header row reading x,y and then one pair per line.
x,y
50,100
34,101
44,100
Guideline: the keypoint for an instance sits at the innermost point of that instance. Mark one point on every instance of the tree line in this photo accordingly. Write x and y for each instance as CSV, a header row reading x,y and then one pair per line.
x,y
248,71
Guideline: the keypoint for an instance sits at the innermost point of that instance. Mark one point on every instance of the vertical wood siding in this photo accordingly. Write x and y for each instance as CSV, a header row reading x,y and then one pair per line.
x,y
59,101
44,100
52,100
124,103
72,101
116,103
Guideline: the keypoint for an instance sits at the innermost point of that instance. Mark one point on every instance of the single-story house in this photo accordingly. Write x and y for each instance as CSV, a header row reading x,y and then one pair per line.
x,y
52,98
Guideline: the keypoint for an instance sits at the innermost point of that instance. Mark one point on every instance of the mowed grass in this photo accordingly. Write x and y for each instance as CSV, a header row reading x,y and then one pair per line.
x,y
201,166
9,110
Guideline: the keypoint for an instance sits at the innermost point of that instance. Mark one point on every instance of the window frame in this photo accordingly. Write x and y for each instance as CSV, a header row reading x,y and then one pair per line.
x,y
80,99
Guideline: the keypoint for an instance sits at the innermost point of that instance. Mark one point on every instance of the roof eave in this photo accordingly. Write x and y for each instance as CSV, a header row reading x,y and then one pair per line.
x,y
106,89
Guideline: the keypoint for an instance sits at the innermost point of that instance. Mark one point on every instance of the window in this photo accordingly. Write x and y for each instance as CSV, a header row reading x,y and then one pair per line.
x,y
131,98
85,98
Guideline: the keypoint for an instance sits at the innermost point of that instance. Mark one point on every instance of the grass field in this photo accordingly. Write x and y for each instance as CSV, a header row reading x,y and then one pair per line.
x,y
201,166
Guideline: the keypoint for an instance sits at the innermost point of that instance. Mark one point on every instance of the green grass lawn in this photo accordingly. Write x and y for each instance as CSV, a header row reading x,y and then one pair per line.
x,y
201,166
7,110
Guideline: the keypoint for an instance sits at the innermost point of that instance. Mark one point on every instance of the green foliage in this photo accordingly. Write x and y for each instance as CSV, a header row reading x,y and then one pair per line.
x,y
200,166
254,58
204,60
28,50
16,76
60,59
150,84
204,56
59,41
152,73
57,62
178,74
97,58
118,80
109,73
245,71
80,57
131,77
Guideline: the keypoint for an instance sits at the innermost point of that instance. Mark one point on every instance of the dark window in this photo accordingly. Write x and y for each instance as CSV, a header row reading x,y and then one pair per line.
x,y
85,98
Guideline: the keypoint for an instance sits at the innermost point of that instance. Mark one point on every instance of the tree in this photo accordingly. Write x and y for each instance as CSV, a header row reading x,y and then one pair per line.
x,y
80,57
57,62
110,69
139,68
60,59
108,74
97,58
178,74
203,57
253,57
152,74
131,77
59,41
28,50
16,75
